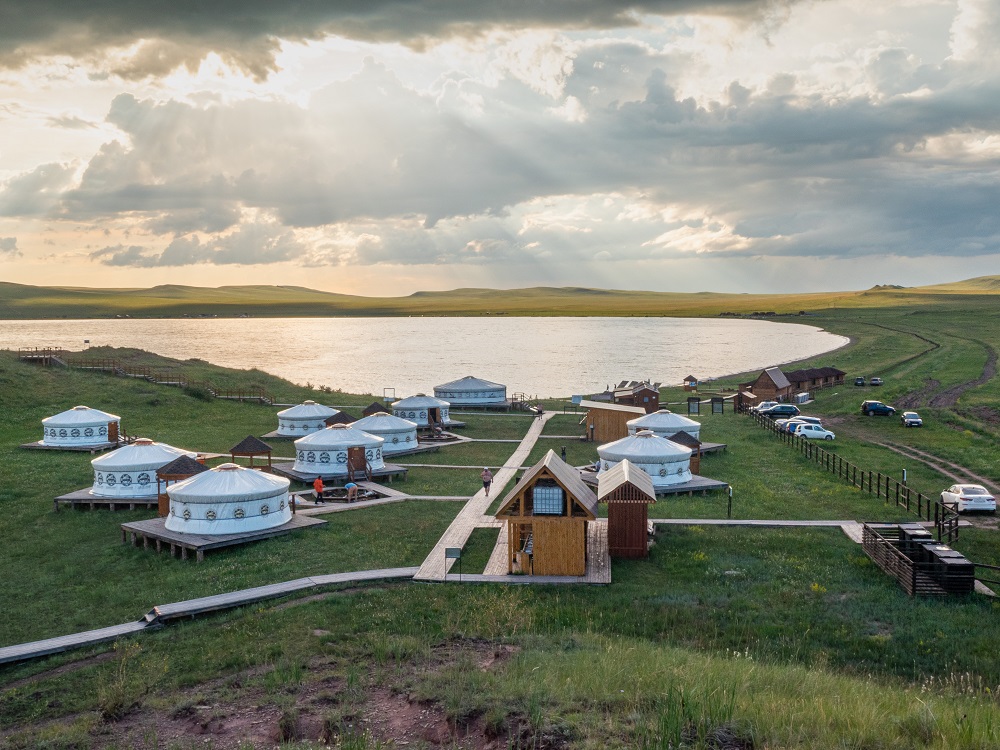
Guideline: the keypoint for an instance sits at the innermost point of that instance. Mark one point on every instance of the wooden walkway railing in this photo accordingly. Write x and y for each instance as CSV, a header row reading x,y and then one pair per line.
x,y
917,569
47,357
881,485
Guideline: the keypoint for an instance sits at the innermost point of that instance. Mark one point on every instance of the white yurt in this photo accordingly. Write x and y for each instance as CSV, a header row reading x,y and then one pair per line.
x,y
80,427
666,462
472,391
229,499
422,410
664,423
399,434
325,452
130,471
303,419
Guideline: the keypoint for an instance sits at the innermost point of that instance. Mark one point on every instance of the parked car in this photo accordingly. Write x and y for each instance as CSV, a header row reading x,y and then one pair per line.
x,y
764,405
859,381
814,432
911,419
780,410
789,425
876,408
875,381
963,497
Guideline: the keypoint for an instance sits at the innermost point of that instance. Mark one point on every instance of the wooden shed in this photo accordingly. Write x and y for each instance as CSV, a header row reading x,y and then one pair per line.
x,y
628,491
547,514
690,383
771,385
605,423
639,393
251,447
177,470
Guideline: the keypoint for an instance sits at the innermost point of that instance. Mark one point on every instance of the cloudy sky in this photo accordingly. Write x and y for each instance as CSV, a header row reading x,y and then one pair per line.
x,y
377,147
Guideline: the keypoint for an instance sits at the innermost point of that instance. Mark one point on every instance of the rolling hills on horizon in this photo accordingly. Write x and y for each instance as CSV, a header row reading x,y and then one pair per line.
x,y
22,301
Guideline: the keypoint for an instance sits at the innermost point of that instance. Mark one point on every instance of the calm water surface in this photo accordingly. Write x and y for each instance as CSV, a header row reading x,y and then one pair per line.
x,y
536,356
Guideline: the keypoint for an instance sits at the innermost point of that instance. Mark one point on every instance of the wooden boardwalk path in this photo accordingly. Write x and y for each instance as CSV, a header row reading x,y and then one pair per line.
x,y
435,567
163,613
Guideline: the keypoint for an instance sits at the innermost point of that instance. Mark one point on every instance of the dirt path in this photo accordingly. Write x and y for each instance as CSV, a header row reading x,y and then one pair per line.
x,y
955,472
949,396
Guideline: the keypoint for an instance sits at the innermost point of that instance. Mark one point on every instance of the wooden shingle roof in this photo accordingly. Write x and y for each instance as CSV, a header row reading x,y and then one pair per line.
x,y
341,417
250,446
564,474
182,466
622,473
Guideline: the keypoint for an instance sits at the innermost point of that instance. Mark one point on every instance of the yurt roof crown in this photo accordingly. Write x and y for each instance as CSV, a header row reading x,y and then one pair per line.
x,y
81,415
469,383
643,443
227,481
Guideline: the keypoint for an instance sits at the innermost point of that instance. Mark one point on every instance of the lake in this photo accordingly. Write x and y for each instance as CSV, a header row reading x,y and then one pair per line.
x,y
536,356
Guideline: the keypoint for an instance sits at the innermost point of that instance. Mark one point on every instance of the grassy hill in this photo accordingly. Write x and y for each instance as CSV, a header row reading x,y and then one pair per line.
x,y
18,301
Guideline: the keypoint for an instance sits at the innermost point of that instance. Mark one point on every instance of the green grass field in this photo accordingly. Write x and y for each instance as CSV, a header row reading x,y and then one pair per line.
x,y
785,638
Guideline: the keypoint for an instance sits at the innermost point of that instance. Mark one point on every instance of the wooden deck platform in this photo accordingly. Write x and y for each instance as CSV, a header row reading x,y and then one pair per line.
x,y
390,472
598,560
154,533
697,484
84,499
99,448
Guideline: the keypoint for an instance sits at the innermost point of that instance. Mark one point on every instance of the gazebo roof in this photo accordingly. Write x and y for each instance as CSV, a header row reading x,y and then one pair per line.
x,y
251,446
374,408
340,417
182,466
625,473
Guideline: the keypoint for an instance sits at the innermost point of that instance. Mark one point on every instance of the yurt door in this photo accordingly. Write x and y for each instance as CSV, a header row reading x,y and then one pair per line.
x,y
112,432
356,459
433,416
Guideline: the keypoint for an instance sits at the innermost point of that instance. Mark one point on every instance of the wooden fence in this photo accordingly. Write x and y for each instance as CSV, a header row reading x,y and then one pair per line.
x,y
917,569
125,370
881,485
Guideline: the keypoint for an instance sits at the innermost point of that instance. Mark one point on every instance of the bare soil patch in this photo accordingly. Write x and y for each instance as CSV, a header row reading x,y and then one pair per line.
x,y
949,397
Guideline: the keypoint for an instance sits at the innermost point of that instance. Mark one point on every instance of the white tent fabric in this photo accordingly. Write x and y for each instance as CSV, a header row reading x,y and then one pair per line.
x,y
417,409
667,463
664,423
228,499
78,427
303,419
130,471
471,391
325,452
399,434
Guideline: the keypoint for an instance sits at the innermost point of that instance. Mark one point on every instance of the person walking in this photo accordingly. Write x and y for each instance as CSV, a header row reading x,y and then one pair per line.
x,y
487,476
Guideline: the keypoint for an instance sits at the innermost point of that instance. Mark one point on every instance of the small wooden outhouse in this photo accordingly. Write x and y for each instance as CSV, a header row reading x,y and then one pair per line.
x,y
547,514
628,491
605,423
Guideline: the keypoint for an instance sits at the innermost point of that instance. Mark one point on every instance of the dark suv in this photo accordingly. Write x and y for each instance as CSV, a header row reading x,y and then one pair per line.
x,y
781,410
859,381
876,408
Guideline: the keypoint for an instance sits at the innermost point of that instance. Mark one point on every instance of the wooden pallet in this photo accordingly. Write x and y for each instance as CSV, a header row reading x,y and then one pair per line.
x,y
84,499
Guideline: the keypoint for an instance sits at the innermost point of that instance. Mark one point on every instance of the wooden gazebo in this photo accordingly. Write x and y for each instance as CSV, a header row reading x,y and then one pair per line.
x,y
251,447
628,491
689,441
341,417
547,514
181,468
375,407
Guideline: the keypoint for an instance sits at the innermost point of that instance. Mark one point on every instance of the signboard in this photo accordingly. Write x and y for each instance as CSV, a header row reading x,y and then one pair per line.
x,y
452,553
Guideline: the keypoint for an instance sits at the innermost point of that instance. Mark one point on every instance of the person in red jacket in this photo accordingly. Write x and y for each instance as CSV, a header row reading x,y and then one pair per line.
x,y
318,487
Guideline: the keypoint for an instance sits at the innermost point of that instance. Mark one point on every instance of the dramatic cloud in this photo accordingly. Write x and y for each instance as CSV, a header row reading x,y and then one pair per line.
x,y
247,33
8,247
534,141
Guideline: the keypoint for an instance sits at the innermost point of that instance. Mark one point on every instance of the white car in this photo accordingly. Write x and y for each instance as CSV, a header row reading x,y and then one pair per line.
x,y
764,405
814,432
963,497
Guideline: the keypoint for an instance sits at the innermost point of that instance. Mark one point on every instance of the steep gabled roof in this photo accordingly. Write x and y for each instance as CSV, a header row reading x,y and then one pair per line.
x,y
342,417
568,477
374,408
777,377
622,473
250,445
686,439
